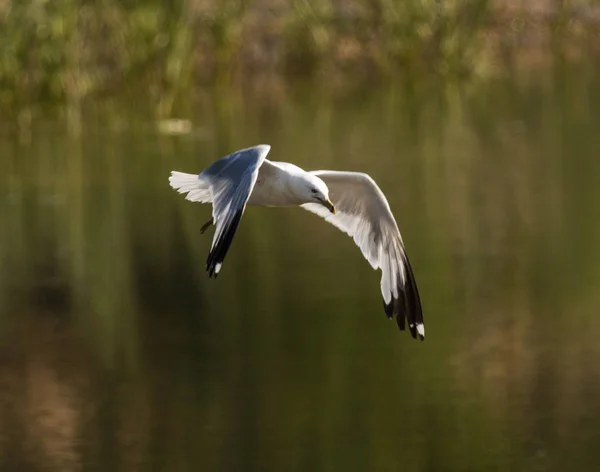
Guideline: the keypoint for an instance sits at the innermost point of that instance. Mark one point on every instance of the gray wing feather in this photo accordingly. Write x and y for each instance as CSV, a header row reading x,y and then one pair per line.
x,y
231,180
364,214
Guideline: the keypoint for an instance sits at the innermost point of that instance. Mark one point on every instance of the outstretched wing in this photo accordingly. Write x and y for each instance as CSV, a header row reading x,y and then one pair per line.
x,y
231,180
364,214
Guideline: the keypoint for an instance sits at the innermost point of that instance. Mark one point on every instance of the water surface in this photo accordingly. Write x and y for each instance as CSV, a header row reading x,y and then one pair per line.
x,y
118,353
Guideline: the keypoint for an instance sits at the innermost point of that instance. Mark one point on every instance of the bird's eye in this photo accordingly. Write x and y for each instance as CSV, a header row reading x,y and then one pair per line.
x,y
313,190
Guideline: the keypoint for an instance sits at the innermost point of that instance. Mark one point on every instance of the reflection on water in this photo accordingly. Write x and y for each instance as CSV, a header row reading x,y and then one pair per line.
x,y
118,353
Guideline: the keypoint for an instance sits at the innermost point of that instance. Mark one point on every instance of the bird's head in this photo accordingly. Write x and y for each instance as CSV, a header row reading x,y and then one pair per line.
x,y
316,191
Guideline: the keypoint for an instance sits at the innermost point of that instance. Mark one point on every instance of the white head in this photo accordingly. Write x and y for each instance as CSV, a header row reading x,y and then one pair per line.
x,y
311,189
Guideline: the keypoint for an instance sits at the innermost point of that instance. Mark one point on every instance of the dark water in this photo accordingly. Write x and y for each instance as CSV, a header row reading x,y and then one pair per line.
x,y
117,353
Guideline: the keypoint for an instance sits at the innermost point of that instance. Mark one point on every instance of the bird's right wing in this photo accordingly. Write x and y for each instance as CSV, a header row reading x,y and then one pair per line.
x,y
364,214
231,180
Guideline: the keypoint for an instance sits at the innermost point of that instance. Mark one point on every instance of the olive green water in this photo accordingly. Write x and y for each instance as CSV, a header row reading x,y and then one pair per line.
x,y
117,353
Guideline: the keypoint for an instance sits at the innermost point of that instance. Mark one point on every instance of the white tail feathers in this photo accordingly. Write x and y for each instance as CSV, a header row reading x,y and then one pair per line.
x,y
196,189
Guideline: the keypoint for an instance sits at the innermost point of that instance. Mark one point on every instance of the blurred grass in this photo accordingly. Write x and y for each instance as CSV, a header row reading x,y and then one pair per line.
x,y
67,50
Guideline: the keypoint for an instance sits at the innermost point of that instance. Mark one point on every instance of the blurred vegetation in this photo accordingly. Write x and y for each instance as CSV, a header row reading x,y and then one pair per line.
x,y
63,51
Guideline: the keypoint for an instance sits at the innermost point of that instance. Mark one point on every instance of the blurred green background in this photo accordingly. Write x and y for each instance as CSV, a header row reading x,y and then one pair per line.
x,y
478,119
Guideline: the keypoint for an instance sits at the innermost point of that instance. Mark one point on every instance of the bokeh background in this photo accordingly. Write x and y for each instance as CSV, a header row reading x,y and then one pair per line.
x,y
479,119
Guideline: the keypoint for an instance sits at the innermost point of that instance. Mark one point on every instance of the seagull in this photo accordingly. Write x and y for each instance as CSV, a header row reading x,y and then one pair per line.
x,y
351,201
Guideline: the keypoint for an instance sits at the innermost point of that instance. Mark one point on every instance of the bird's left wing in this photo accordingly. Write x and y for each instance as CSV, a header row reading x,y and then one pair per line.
x,y
231,180
364,214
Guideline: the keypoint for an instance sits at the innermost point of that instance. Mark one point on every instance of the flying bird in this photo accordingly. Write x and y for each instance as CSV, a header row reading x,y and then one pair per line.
x,y
351,201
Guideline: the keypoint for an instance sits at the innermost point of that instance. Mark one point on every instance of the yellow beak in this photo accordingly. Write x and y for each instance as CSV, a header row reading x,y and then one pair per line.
x,y
330,206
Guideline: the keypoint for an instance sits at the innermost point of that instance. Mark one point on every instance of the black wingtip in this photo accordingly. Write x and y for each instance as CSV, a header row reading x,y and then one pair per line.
x,y
215,258
389,309
407,307
398,307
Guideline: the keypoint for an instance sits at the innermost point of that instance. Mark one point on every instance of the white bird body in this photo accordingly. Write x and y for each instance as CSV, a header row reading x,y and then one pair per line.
x,y
351,201
275,185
